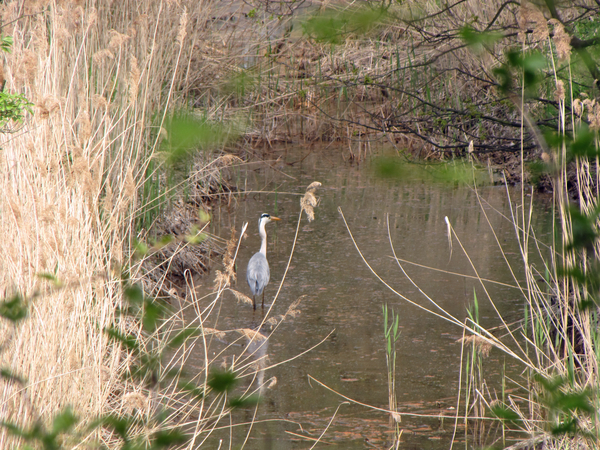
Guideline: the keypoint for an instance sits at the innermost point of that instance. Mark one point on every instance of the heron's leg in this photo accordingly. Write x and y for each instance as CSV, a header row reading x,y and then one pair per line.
x,y
263,302
254,301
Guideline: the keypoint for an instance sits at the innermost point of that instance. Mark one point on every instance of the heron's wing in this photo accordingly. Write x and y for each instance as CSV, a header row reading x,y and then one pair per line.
x,y
257,273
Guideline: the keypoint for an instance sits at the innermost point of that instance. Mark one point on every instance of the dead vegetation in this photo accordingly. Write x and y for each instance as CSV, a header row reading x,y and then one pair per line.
x,y
403,75
102,77
190,249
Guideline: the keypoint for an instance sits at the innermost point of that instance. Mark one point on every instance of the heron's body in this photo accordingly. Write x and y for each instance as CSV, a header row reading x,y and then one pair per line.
x,y
258,273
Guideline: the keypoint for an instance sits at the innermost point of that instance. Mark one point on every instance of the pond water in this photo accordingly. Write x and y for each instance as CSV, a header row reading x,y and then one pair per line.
x,y
338,336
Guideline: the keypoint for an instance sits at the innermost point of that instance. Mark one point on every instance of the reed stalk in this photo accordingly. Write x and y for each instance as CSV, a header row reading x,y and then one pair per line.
x,y
102,79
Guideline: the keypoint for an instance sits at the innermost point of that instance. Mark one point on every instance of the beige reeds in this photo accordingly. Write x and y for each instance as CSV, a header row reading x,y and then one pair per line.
x,y
219,334
593,112
224,278
70,181
241,297
292,312
252,335
482,346
561,39
309,201
530,13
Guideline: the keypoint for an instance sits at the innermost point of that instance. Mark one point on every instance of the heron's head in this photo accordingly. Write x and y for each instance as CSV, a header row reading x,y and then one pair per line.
x,y
266,218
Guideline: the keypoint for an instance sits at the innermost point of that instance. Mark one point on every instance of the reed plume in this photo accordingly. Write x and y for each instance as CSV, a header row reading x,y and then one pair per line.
x,y
309,200
70,181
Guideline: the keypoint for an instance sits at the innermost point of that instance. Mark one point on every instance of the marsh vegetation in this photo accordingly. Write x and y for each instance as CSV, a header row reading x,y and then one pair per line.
x,y
125,128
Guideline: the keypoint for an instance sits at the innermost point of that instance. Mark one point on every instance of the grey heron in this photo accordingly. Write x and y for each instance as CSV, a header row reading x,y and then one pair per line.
x,y
258,273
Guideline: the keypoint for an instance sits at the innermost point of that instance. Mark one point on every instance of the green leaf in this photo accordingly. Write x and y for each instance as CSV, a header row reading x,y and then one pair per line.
x,y
244,402
532,64
528,65
6,42
144,373
134,294
64,421
572,401
504,413
222,381
118,424
568,426
14,309
556,140
13,428
191,388
590,276
334,26
147,369
584,232
168,438
52,278
478,40
505,78
584,144
181,337
588,303
141,249
9,375
548,384
13,107
194,237
152,314
163,241
127,340
188,134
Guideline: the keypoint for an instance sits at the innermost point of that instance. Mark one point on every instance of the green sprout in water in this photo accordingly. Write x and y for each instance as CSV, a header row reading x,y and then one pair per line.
x,y
391,325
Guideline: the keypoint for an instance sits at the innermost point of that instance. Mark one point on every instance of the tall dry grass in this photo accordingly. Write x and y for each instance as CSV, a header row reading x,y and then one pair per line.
x,y
102,76
560,329
555,344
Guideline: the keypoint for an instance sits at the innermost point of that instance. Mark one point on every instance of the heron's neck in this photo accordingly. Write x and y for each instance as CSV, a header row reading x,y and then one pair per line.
x,y
263,238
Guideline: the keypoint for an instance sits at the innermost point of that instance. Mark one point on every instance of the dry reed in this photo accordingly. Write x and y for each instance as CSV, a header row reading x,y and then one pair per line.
x,y
309,200
70,181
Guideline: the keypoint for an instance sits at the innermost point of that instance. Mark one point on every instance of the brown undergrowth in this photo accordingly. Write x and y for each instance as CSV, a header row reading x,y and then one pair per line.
x,y
302,86
403,78
101,76
185,217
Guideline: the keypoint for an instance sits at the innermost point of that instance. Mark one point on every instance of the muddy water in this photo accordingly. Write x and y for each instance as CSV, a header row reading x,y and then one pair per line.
x,y
340,313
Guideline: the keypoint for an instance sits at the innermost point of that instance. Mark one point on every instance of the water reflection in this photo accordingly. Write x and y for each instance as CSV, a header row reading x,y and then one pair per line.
x,y
257,346
338,332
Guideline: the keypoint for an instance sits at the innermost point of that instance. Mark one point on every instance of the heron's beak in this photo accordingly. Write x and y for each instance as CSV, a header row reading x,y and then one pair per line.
x,y
275,218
